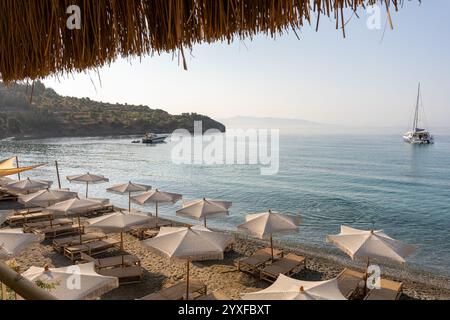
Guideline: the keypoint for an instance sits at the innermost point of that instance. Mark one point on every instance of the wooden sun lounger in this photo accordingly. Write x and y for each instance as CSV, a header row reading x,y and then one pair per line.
x,y
20,220
390,291
92,248
112,262
8,196
144,233
197,289
60,244
30,227
259,258
58,231
23,212
126,274
127,268
216,295
148,231
98,211
350,282
288,266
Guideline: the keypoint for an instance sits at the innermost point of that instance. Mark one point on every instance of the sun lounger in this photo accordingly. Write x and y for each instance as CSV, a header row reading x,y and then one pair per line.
x,y
288,266
98,211
8,196
197,289
112,262
390,290
144,233
60,244
216,295
350,282
127,268
126,275
259,258
20,220
28,211
92,248
58,231
30,227
149,230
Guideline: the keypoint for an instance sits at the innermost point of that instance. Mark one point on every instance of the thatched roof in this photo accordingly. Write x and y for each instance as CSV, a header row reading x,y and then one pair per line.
x,y
35,41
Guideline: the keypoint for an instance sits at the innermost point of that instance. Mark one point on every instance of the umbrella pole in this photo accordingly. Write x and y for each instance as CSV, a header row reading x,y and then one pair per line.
x,y
367,276
157,219
271,246
17,165
121,248
57,174
205,221
87,189
129,201
79,230
187,279
50,217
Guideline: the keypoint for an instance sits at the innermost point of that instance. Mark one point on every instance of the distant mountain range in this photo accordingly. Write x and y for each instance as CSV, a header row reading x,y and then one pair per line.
x,y
259,122
48,114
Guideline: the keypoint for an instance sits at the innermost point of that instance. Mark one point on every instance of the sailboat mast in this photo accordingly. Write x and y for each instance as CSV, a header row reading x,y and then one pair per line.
x,y
416,115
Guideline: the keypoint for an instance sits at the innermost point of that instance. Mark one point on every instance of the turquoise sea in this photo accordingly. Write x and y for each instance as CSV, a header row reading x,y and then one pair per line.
x,y
365,181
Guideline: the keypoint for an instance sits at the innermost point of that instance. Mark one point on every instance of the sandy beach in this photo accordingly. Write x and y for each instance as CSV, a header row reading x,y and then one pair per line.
x,y
223,275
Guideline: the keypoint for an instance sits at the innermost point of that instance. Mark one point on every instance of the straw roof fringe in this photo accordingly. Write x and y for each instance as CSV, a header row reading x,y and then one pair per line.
x,y
36,42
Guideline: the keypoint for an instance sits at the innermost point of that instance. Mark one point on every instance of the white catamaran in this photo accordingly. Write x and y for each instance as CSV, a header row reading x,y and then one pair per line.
x,y
418,135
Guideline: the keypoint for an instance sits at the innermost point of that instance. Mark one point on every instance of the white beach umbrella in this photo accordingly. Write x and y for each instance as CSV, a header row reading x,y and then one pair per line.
x,y
13,241
190,244
77,206
286,288
45,198
118,222
269,223
201,209
28,185
363,245
88,179
129,188
5,181
78,282
157,197
4,215
366,245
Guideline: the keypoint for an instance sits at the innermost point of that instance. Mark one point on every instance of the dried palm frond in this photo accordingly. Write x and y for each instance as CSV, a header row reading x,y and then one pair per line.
x,y
35,41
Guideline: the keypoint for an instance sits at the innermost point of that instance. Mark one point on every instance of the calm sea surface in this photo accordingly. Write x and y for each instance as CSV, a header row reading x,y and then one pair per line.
x,y
362,181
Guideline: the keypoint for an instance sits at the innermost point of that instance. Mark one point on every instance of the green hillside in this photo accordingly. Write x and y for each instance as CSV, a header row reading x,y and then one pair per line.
x,y
52,115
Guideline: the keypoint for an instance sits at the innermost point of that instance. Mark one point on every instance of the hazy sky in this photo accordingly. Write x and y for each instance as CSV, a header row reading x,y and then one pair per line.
x,y
364,79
